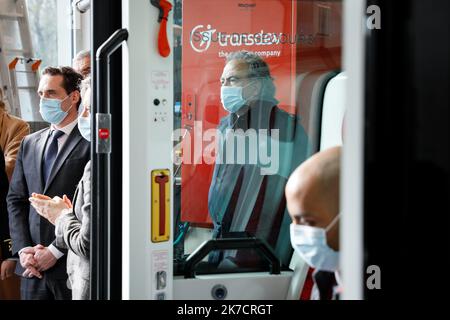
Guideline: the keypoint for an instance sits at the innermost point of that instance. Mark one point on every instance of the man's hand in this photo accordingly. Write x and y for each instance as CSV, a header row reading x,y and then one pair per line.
x,y
48,208
40,196
44,258
67,201
27,257
32,272
28,262
7,269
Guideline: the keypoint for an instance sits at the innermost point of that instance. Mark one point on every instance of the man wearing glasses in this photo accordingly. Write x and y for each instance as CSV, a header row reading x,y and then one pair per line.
x,y
246,196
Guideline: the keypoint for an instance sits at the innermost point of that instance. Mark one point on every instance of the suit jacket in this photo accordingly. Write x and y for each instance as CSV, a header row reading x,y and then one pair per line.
x,y
4,227
12,132
73,233
27,227
243,198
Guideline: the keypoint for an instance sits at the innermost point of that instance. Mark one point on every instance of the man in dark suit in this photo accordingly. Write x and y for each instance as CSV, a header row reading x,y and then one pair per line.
x,y
50,162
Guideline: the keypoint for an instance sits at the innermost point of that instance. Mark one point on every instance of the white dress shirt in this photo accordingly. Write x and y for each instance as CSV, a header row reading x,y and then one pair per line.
x,y
67,131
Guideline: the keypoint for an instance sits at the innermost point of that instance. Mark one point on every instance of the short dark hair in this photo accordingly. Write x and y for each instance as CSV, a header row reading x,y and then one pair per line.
x,y
71,78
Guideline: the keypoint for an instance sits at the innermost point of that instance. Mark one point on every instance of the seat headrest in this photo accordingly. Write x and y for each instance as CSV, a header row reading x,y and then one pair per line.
x,y
333,112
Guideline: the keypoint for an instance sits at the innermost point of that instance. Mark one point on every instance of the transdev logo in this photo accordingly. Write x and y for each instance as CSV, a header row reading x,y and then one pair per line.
x,y
202,37
201,40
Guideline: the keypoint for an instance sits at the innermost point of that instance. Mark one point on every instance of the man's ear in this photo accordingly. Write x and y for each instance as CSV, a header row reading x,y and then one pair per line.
x,y
258,85
253,89
76,97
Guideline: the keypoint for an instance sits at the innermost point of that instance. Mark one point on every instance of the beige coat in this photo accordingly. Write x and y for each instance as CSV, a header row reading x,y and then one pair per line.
x,y
12,132
73,232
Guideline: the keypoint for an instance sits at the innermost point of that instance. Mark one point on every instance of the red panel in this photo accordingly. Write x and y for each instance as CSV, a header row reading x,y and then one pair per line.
x,y
210,30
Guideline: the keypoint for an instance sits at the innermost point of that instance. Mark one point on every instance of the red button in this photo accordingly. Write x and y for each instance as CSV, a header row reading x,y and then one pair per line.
x,y
103,134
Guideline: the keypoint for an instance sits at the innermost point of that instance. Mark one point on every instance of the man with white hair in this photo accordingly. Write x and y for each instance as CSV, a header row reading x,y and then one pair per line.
x,y
246,198
82,63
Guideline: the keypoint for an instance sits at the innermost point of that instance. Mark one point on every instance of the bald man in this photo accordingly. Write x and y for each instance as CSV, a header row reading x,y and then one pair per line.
x,y
312,195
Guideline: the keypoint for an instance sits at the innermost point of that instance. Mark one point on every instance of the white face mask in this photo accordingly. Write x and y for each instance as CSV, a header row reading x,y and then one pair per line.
x,y
311,244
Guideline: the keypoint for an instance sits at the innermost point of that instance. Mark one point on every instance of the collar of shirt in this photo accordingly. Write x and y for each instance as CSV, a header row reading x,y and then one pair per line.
x,y
67,129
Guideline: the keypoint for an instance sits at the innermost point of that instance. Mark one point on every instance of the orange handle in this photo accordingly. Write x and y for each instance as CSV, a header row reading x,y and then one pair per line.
x,y
163,41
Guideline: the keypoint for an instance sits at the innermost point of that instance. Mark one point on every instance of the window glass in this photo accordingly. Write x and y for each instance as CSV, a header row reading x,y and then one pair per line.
x,y
250,79
44,33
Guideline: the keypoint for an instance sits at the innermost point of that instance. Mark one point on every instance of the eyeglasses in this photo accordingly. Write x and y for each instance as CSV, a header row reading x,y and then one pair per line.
x,y
233,80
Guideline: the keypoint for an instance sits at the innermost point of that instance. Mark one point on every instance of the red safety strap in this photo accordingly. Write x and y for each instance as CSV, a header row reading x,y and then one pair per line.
x,y
163,41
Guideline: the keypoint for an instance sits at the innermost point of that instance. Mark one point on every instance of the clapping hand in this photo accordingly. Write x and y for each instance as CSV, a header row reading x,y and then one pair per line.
x,y
50,208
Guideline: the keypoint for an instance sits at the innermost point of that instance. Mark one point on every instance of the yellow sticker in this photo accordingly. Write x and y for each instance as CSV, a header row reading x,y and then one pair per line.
x,y
160,206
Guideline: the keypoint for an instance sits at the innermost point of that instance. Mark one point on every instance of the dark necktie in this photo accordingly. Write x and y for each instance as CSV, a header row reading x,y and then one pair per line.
x,y
51,152
325,281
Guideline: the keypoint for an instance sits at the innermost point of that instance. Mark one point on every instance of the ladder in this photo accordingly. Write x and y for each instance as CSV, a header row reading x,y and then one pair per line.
x,y
19,76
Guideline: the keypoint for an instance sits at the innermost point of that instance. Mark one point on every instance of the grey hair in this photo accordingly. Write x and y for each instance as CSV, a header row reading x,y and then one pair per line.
x,y
82,54
257,67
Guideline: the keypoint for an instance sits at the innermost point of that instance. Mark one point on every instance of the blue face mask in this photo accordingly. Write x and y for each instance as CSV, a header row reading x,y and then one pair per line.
x,y
50,110
84,125
311,244
232,99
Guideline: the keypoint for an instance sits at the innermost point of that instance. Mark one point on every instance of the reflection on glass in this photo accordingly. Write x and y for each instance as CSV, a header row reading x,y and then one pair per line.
x,y
249,90
247,188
